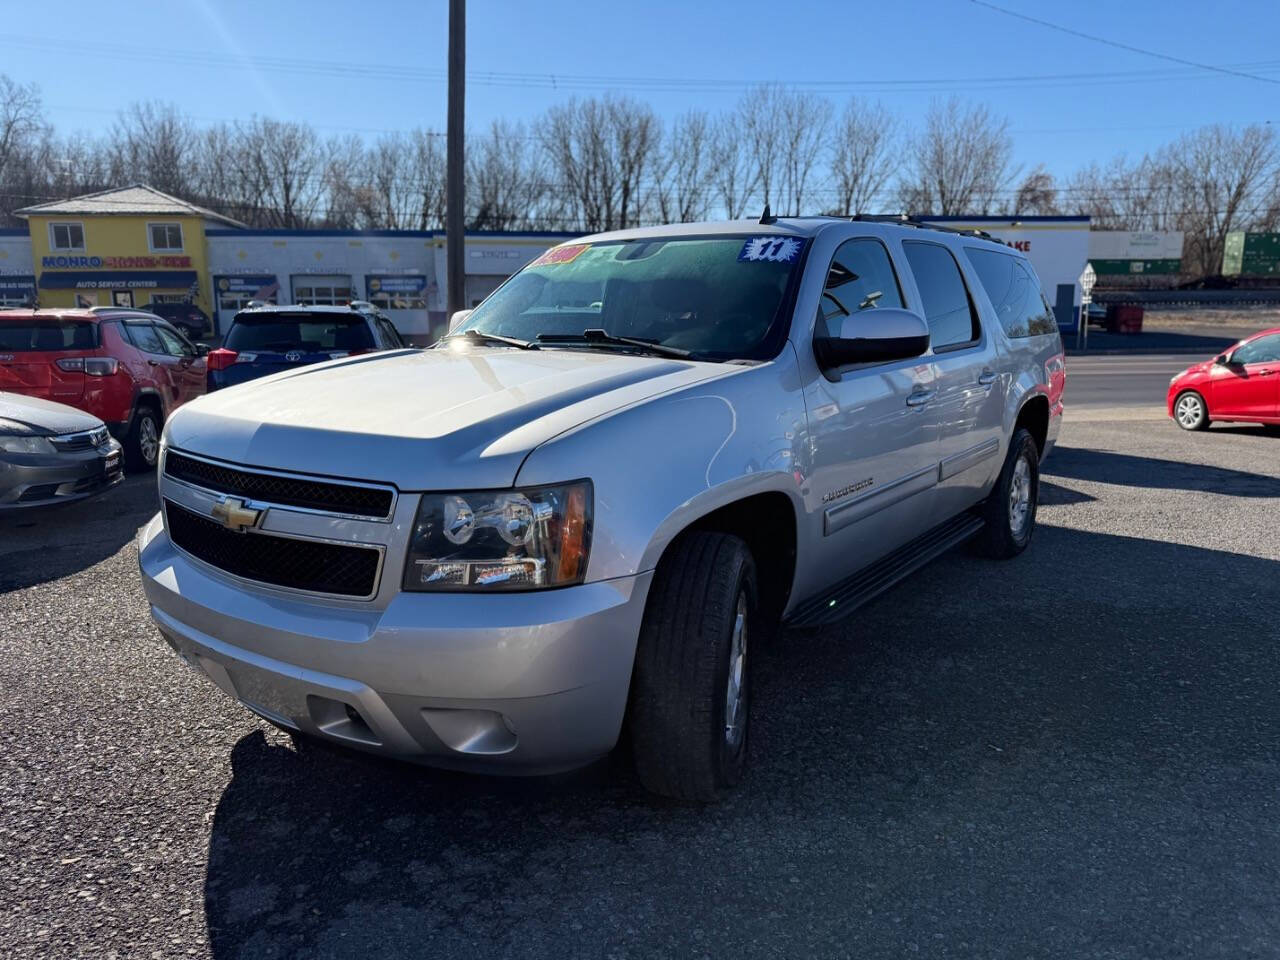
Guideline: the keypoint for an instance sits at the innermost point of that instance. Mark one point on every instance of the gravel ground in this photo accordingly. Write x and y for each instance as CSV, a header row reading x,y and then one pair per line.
x,y
1071,754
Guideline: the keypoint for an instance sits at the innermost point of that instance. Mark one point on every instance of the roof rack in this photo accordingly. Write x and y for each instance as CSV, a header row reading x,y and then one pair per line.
x,y
909,221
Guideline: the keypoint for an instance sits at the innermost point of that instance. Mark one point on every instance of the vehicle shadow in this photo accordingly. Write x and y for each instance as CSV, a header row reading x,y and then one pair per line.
x,y
1103,466
37,546
995,756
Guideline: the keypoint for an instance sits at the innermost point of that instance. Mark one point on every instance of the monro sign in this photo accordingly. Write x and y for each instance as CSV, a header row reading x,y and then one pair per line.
x,y
115,263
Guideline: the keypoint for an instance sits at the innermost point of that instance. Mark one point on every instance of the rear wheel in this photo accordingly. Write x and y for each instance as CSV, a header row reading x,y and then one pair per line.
x,y
1010,511
142,445
690,691
1190,411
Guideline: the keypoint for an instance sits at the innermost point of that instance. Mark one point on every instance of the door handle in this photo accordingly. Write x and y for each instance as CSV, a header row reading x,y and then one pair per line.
x,y
153,363
987,378
1265,373
919,398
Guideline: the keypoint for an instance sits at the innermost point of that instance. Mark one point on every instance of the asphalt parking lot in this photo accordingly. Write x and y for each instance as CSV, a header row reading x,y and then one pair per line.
x,y
1071,754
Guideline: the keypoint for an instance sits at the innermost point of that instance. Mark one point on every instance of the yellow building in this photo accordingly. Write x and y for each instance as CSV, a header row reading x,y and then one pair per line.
x,y
133,246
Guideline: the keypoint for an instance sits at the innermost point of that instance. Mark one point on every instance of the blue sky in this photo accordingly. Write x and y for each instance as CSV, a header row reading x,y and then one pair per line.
x,y
379,64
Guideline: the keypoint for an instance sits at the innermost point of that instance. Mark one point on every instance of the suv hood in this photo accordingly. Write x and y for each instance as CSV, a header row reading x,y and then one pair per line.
x,y
33,416
456,418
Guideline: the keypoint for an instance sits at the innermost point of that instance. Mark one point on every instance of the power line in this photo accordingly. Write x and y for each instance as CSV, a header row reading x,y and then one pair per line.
x,y
573,82
1123,46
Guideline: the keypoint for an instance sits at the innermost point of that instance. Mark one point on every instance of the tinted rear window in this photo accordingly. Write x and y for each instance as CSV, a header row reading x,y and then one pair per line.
x,y
47,333
303,331
1014,293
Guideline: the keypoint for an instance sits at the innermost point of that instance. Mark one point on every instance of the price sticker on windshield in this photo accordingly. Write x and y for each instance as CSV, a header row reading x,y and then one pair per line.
x,y
564,254
770,250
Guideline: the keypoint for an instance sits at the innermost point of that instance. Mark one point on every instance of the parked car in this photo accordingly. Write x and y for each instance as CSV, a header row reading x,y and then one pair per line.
x,y
596,497
1242,385
187,317
51,453
128,368
265,339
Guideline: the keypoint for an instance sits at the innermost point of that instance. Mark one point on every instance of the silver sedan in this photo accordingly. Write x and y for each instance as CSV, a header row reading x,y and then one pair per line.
x,y
51,453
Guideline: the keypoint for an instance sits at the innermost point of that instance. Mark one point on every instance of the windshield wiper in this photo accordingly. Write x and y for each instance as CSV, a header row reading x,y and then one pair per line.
x,y
594,335
479,336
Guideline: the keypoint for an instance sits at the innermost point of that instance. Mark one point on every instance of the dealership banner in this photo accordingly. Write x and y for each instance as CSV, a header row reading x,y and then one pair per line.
x,y
118,279
17,285
402,284
251,286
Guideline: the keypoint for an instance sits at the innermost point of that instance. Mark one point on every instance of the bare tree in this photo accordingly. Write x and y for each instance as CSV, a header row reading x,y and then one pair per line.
x,y
760,118
21,120
598,151
153,143
862,156
733,168
1037,195
504,183
683,170
959,163
1225,181
805,122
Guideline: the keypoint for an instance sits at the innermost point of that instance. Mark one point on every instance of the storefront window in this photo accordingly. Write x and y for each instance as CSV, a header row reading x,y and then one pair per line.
x,y
322,296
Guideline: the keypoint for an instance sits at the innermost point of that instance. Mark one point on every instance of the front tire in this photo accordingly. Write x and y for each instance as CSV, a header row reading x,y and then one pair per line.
x,y
690,690
1190,412
1009,512
142,445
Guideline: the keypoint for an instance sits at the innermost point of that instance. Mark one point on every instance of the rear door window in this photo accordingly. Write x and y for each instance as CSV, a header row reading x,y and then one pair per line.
x,y
28,335
947,308
276,333
146,338
1014,292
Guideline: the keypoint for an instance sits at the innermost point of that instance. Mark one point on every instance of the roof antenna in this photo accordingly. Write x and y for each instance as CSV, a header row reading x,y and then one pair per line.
x,y
767,217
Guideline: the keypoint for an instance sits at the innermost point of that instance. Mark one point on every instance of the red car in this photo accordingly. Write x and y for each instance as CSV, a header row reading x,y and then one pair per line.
x,y
1242,384
128,368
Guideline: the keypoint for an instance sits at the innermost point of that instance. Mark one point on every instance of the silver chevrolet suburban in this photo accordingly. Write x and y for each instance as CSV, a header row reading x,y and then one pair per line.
x,y
590,501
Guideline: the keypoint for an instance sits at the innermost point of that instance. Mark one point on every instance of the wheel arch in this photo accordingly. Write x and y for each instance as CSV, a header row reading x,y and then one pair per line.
x,y
765,519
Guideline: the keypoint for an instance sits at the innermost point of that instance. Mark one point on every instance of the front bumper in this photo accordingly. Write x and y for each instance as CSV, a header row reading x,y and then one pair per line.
x,y
512,683
42,480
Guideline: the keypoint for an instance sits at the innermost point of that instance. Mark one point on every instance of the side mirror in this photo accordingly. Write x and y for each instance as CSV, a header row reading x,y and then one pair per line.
x,y
873,336
202,349
458,319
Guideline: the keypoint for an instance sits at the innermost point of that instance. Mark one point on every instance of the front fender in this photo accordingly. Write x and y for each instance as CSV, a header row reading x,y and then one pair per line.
x,y
659,465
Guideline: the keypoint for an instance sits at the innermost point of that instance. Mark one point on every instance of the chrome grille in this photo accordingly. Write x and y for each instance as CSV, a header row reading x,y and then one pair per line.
x,y
315,566
342,499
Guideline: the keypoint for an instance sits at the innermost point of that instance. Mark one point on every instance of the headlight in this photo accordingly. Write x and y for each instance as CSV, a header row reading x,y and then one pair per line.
x,y
501,539
26,445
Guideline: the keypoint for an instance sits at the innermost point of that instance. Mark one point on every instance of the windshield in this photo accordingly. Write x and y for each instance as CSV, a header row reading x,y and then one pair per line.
x,y
47,333
715,297
302,331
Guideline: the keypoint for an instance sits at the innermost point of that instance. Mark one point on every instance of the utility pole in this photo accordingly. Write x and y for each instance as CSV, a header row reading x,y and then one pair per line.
x,y
455,189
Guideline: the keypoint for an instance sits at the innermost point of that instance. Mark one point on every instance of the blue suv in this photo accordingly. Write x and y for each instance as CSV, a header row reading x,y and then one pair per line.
x,y
268,339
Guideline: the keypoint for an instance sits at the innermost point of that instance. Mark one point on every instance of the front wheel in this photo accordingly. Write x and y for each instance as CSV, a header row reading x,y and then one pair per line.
x,y
690,690
1190,412
142,445
1010,511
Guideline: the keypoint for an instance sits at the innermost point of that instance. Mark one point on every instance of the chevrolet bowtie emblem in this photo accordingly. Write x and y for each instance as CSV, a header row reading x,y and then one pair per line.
x,y
234,515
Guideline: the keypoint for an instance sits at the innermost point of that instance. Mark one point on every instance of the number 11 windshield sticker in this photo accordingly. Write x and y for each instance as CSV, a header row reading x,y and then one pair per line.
x,y
770,250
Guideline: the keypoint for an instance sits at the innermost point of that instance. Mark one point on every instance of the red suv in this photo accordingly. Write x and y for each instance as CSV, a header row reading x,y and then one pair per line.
x,y
128,368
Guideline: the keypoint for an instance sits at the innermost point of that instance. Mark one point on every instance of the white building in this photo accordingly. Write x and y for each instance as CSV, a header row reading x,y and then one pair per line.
x,y
17,269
